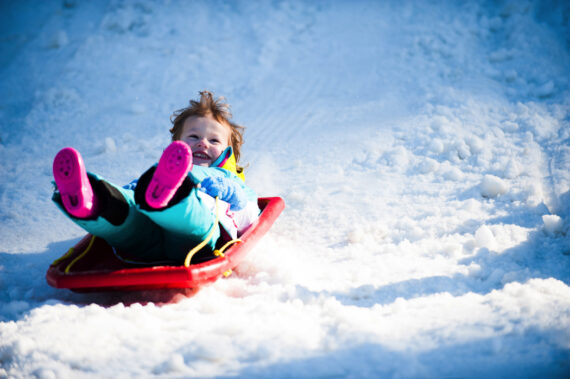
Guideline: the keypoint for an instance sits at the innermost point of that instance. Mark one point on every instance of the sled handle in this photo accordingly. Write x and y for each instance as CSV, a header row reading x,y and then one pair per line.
x,y
68,268
203,243
220,252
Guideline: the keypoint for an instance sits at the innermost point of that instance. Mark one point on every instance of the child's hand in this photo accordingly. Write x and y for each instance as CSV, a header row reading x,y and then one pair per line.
x,y
227,190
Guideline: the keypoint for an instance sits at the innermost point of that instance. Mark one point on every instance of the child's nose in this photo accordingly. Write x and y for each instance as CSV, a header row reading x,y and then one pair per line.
x,y
202,142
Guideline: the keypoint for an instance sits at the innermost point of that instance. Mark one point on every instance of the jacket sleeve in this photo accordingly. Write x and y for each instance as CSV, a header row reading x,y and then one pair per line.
x,y
227,190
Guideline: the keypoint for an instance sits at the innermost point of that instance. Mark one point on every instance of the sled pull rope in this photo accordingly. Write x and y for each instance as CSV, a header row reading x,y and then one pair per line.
x,y
203,243
80,255
220,252
63,257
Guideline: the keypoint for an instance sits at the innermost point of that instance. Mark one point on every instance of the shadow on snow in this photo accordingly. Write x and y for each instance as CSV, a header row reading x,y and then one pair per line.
x,y
540,256
23,279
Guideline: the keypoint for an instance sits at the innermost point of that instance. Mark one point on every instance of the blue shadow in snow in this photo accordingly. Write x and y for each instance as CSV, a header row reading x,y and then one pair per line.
x,y
24,286
540,256
483,358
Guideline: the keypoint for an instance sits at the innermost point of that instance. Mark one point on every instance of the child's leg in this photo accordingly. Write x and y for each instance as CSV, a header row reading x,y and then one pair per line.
x,y
174,164
74,188
119,222
169,198
115,217
185,225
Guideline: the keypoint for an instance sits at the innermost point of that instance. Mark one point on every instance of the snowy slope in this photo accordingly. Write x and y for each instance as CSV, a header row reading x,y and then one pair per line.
x,y
422,148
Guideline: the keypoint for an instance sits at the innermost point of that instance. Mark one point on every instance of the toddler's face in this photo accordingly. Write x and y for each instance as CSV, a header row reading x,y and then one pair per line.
x,y
206,137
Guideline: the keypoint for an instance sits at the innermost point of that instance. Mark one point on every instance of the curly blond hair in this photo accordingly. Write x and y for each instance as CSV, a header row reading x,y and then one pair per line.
x,y
208,106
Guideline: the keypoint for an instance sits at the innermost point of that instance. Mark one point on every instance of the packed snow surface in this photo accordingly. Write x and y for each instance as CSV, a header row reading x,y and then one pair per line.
x,y
422,149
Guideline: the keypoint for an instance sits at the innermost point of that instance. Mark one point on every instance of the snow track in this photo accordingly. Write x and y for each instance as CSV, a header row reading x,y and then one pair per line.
x,y
422,149
558,179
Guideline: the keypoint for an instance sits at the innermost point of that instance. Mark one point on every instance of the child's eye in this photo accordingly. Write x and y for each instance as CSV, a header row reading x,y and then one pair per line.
x,y
215,140
193,136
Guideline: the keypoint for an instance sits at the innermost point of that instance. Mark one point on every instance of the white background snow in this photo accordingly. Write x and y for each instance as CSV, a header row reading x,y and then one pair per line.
x,y
422,149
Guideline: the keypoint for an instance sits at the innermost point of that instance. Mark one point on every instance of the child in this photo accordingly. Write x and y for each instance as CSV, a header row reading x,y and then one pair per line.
x,y
171,207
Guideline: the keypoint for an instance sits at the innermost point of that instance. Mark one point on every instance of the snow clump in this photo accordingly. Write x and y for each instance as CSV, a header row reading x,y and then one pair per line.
x,y
493,186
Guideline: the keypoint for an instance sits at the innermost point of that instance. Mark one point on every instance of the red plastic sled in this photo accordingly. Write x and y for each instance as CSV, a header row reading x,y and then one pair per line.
x,y
99,269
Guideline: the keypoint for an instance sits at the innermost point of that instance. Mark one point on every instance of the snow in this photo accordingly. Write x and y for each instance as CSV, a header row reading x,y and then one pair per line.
x,y
422,149
492,186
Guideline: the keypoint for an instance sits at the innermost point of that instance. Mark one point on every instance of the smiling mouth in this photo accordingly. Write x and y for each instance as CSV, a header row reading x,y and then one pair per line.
x,y
202,156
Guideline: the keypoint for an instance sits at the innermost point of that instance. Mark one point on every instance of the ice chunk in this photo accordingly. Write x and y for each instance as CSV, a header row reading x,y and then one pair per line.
x,y
436,146
484,237
553,224
493,186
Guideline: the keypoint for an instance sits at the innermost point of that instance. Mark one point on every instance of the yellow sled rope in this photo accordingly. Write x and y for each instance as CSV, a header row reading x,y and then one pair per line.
x,y
218,252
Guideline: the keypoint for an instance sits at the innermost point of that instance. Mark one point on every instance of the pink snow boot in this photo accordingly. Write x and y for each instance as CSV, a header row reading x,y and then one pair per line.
x,y
73,185
173,166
